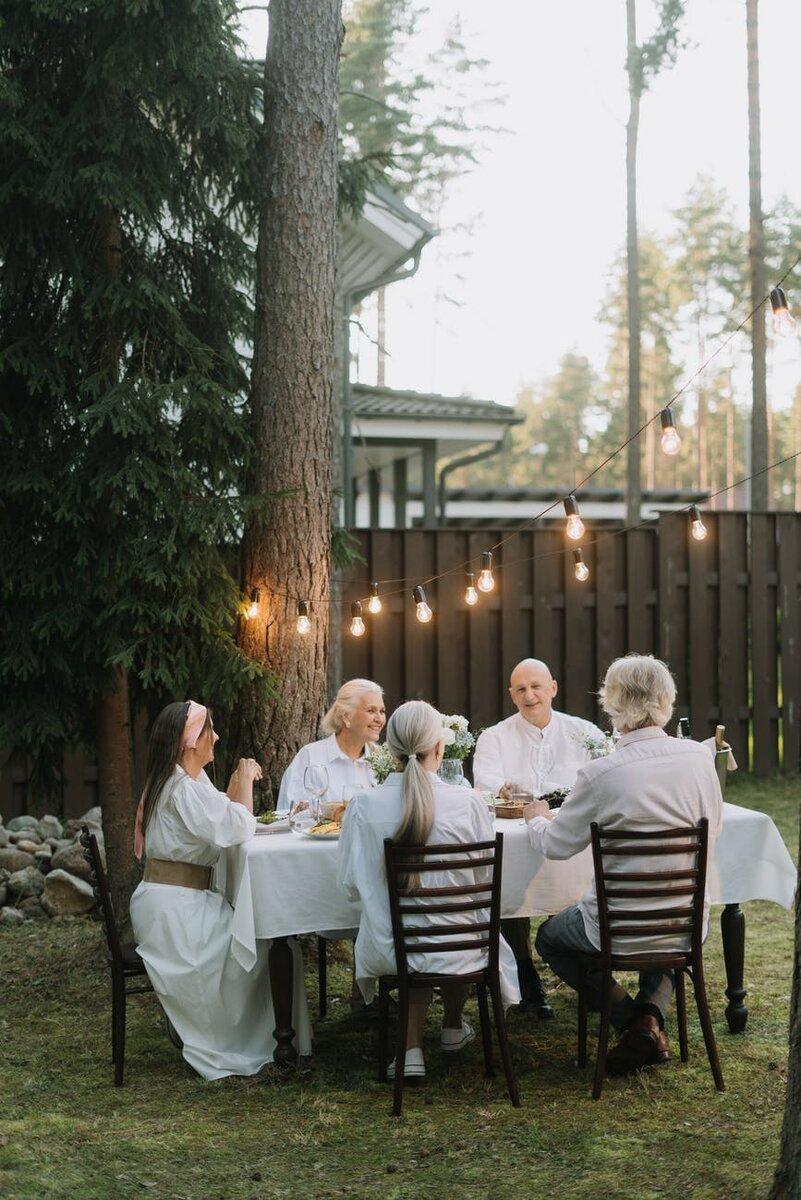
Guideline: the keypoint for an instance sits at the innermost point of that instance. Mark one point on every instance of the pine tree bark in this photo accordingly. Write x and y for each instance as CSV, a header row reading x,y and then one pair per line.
x,y
287,542
116,787
633,469
756,258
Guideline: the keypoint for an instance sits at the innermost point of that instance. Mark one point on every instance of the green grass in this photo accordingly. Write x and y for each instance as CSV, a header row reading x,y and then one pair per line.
x,y
325,1130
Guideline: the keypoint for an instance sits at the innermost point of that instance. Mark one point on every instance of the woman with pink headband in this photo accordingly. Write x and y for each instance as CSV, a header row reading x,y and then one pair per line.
x,y
221,1013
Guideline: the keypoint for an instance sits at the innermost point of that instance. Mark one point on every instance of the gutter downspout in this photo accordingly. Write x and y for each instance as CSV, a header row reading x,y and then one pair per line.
x,y
466,461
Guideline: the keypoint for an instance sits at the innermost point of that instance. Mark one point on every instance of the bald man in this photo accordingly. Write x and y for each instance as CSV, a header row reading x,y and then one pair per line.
x,y
537,743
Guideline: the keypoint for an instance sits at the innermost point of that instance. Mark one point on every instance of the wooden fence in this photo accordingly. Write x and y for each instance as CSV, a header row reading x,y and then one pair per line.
x,y
723,613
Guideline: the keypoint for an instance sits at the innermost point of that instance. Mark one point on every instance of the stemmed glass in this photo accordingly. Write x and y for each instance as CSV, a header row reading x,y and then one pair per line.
x,y
304,814
542,760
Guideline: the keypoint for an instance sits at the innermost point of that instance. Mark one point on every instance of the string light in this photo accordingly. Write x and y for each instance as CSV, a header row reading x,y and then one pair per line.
x,y
424,613
783,319
470,594
581,570
486,580
575,525
374,604
304,624
356,623
670,440
252,609
698,526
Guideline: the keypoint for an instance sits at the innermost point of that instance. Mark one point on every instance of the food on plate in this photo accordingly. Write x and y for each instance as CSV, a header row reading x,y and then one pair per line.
x,y
325,827
556,798
268,818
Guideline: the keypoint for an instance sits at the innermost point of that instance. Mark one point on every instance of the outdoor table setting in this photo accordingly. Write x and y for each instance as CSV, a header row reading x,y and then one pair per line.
x,y
283,883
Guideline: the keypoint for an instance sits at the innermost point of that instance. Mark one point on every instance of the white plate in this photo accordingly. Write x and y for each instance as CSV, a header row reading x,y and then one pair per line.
x,y
273,827
321,837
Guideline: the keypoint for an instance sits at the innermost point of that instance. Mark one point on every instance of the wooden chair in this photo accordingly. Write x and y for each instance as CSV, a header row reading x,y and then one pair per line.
x,y
122,957
671,904
474,911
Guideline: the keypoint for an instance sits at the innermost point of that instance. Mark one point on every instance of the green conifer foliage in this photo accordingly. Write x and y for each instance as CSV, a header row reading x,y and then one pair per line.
x,y
127,139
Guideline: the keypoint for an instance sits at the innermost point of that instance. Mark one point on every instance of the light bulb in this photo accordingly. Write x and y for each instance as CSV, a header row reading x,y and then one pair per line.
x,y
424,613
486,580
470,595
374,604
783,319
356,624
670,440
575,525
581,570
304,624
698,526
252,609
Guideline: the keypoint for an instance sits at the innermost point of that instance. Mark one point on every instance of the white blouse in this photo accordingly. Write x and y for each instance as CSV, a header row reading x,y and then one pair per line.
x,y
343,772
193,822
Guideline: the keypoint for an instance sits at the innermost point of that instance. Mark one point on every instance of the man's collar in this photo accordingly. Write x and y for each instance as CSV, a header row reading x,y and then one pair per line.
x,y
642,735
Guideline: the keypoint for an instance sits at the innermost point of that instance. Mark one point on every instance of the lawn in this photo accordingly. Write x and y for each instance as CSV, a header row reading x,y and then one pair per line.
x,y
325,1130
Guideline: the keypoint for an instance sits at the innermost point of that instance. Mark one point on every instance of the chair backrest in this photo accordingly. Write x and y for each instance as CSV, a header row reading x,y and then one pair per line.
x,y
451,917
99,883
663,901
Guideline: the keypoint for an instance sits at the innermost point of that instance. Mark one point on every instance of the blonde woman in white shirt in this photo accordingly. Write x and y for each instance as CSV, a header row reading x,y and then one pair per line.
x,y
651,781
412,807
352,724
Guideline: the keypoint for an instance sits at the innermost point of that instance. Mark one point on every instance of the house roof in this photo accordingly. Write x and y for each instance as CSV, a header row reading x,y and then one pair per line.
x,y
385,237
379,402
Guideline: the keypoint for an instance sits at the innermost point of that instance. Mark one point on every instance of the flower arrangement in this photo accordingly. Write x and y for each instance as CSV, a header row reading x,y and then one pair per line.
x,y
595,747
462,741
382,761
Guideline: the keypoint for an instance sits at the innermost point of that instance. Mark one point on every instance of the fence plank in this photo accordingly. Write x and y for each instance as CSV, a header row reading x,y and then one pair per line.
x,y
453,621
789,562
673,596
640,574
515,592
764,647
733,608
548,600
703,631
579,684
420,648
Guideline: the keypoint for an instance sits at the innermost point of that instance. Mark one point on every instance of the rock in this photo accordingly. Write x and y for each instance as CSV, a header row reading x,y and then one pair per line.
x,y
65,895
10,916
28,847
4,837
50,827
25,835
32,910
44,859
59,843
71,859
15,860
23,822
91,818
27,882
3,894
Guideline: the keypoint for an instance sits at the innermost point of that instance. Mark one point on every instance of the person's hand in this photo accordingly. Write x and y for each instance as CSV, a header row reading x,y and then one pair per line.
x,y
506,792
248,770
538,808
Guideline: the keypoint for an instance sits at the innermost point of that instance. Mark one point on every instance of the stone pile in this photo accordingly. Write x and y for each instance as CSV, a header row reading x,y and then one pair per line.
x,y
43,871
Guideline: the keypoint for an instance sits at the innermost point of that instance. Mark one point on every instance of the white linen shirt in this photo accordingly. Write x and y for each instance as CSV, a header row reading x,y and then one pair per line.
x,y
343,772
460,815
650,781
505,752
193,821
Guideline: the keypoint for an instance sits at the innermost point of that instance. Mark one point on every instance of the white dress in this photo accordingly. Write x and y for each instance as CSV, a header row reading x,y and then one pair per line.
x,y
460,816
343,772
223,1014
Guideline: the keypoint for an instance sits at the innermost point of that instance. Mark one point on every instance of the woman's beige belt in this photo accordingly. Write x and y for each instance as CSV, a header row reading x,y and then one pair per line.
x,y
180,874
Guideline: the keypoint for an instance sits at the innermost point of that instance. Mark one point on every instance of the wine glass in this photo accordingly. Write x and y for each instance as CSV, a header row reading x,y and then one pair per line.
x,y
542,761
305,813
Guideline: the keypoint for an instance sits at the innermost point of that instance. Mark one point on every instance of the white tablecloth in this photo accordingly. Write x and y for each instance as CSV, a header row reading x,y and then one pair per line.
x,y
280,884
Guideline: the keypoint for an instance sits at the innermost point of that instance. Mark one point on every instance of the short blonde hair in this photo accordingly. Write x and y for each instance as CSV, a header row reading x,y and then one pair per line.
x,y
638,691
346,700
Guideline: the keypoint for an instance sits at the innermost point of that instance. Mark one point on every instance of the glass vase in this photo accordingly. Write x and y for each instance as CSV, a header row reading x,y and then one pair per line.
x,y
450,771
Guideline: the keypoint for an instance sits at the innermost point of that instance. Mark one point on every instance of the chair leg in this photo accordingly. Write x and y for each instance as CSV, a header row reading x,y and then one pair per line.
x,y
603,1040
118,1026
681,1015
322,977
699,987
503,1042
581,1050
400,1050
383,1030
486,1034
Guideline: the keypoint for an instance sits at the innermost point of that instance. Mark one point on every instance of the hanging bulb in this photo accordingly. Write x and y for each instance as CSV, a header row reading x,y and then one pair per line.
x,y
698,526
470,594
374,604
670,440
304,624
356,622
783,319
486,580
252,609
575,525
581,570
424,613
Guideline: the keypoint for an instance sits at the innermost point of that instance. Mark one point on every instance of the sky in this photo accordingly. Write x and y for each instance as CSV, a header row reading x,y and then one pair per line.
x,y
488,312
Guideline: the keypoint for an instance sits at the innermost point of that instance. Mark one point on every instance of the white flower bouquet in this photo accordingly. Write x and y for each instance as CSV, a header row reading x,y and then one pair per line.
x,y
595,747
382,761
461,741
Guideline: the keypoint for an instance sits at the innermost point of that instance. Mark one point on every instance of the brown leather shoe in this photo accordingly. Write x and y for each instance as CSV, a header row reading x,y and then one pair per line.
x,y
640,1045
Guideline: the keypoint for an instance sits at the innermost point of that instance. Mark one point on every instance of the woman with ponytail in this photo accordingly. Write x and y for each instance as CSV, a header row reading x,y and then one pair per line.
x,y
414,807
222,1013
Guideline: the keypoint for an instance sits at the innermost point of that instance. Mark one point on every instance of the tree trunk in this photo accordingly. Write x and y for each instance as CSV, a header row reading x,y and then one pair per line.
x,y
633,484
787,1180
287,539
756,256
116,788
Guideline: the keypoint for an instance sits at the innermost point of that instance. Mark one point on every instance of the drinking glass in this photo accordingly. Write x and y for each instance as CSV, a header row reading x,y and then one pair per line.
x,y
305,813
542,760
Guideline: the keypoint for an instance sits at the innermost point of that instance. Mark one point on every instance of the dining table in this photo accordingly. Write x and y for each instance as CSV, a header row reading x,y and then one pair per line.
x,y
281,884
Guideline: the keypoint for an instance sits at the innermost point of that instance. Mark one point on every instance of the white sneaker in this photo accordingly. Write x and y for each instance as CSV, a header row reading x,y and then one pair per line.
x,y
414,1065
453,1040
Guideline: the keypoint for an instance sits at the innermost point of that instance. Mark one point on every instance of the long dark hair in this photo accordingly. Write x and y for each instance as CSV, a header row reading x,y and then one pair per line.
x,y
163,752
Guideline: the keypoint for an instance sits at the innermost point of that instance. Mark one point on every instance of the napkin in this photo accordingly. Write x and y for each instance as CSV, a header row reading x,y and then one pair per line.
x,y
712,747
